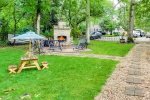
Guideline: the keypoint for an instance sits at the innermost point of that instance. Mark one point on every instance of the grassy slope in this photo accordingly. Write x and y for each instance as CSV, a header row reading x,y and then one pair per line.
x,y
68,78
109,48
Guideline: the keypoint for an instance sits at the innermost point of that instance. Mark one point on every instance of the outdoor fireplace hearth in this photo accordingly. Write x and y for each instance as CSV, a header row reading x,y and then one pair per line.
x,y
62,38
62,33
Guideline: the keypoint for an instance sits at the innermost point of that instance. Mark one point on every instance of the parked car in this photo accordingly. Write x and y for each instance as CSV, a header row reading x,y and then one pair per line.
x,y
15,42
95,35
148,35
138,33
103,33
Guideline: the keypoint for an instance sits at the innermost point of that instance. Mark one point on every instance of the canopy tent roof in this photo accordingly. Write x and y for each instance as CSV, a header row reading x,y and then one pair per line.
x,y
29,36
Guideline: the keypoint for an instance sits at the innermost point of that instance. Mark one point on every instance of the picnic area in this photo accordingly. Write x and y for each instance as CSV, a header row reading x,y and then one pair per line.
x,y
74,50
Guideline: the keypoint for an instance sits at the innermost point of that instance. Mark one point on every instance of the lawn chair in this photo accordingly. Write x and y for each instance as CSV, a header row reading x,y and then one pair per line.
x,y
55,45
81,45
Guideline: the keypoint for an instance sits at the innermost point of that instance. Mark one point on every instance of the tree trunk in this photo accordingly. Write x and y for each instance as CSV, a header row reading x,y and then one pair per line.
x,y
38,23
38,16
131,21
88,21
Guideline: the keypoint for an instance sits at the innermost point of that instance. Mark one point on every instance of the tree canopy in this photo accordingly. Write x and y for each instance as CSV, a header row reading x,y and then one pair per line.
x,y
18,16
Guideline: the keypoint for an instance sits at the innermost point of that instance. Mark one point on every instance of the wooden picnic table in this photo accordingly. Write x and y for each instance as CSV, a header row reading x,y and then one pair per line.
x,y
28,62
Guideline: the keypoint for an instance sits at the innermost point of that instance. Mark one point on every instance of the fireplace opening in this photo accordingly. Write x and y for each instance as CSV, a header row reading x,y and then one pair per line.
x,y
62,38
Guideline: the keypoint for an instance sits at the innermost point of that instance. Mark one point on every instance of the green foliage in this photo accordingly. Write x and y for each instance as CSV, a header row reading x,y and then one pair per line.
x,y
75,32
82,28
107,24
3,44
3,3
3,29
123,13
116,33
48,34
21,15
142,14
96,8
73,13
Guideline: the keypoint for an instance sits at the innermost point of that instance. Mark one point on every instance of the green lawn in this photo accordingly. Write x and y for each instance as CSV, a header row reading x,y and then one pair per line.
x,y
68,78
109,48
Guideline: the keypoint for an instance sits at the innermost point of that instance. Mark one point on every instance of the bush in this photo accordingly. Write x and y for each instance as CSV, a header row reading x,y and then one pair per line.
x,y
48,34
3,43
130,40
76,33
116,33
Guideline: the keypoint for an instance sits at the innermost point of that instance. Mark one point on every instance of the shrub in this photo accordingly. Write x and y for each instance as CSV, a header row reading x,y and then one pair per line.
x,y
130,40
76,33
116,33
48,34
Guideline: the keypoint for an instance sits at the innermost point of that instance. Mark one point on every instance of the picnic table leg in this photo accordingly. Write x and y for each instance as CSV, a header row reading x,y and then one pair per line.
x,y
37,65
12,71
21,66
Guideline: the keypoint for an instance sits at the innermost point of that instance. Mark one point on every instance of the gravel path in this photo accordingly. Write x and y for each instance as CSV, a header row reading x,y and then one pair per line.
x,y
131,78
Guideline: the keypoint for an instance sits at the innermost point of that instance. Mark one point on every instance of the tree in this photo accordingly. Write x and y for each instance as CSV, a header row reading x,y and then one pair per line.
x,y
131,21
108,24
75,13
42,15
142,18
38,16
123,13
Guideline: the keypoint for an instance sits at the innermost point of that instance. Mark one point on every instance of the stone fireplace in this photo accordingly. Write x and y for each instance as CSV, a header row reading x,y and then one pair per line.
x,y
62,32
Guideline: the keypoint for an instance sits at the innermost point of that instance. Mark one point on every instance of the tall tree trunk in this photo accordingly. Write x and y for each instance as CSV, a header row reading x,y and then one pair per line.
x,y
38,23
38,16
88,20
131,21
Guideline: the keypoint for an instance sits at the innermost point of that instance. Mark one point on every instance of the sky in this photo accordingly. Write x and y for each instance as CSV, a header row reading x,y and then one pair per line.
x,y
115,1
116,5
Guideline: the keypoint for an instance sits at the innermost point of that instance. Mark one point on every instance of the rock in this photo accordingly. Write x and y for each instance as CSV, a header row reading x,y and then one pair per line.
x,y
25,96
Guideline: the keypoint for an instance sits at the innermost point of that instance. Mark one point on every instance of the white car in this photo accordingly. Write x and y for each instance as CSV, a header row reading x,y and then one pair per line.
x,y
136,33
148,35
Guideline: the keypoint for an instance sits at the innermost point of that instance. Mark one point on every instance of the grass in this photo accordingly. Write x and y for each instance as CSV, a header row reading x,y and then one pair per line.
x,y
68,78
109,48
